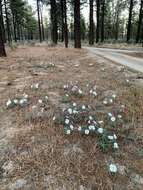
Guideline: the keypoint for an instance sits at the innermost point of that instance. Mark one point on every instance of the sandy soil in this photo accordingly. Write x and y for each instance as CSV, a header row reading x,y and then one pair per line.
x,y
36,154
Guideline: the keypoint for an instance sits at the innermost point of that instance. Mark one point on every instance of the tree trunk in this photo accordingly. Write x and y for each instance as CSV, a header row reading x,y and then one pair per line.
x,y
54,27
42,26
130,20
102,21
98,19
140,22
2,47
39,22
62,20
65,23
77,30
91,24
7,22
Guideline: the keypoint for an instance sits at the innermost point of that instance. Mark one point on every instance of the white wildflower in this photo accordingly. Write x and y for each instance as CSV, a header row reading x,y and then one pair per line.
x,y
101,122
91,127
25,95
86,131
100,130
70,111
119,116
8,103
40,101
113,119
113,168
79,128
115,137
74,104
83,107
90,117
110,114
114,96
115,145
68,132
67,121
71,127
111,100
94,93
15,101
105,102
80,91
110,137
54,118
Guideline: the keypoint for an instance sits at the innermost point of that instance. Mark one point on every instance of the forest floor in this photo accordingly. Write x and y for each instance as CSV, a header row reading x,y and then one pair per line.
x,y
35,152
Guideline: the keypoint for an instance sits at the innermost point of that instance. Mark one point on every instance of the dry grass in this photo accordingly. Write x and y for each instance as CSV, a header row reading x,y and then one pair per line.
x,y
40,151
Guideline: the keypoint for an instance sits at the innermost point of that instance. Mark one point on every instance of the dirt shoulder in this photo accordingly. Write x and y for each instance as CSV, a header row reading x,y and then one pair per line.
x,y
36,153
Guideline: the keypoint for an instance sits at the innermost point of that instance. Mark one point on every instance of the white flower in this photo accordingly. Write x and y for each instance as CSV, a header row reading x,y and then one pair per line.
x,y
90,117
119,116
115,137
100,122
67,95
94,93
75,111
113,119
40,101
100,130
114,96
79,128
8,103
54,118
34,107
25,95
83,107
110,137
74,104
91,127
68,132
110,114
37,85
86,131
127,80
111,100
115,145
91,91
46,97
67,121
70,111
65,86
105,102
22,101
71,127
80,91
15,101
113,168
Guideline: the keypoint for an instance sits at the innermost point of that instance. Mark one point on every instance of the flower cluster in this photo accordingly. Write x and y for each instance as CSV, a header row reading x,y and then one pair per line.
x,y
22,101
77,118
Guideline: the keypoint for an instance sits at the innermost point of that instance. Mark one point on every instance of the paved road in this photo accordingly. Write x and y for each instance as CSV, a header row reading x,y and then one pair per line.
x,y
118,56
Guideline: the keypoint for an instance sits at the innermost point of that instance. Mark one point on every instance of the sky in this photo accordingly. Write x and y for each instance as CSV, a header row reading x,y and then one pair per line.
x,y
85,10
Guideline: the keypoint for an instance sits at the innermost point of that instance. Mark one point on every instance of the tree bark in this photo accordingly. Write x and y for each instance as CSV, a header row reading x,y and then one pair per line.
x,y
39,22
91,24
98,19
7,22
62,19
130,20
65,23
102,21
2,47
54,27
77,29
140,22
